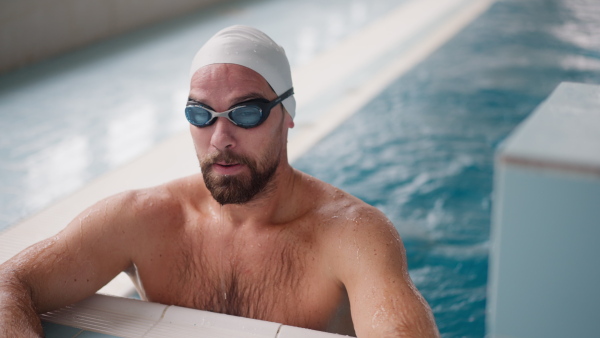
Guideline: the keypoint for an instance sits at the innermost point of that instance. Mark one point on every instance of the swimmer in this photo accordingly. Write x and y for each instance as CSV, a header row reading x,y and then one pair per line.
x,y
247,236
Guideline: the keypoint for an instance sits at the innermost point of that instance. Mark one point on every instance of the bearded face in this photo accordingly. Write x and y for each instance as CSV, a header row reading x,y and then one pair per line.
x,y
242,187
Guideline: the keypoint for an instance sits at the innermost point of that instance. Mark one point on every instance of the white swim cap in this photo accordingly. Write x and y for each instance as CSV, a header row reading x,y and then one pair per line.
x,y
249,47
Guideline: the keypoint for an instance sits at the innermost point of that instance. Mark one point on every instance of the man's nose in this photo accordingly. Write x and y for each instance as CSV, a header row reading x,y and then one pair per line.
x,y
223,134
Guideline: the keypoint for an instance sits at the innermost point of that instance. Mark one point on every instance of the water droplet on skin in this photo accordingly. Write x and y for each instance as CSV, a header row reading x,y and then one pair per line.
x,y
221,253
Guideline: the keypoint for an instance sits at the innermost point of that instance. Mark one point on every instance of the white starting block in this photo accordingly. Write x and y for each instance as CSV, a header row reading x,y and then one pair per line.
x,y
544,271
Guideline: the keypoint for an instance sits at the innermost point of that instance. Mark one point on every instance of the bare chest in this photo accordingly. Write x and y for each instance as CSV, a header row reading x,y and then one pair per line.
x,y
281,281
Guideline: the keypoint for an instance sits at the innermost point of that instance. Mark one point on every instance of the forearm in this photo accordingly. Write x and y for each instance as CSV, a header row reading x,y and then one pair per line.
x,y
418,328
18,317
397,327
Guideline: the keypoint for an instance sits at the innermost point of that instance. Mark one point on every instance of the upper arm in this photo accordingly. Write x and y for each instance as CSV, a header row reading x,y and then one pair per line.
x,y
79,260
372,266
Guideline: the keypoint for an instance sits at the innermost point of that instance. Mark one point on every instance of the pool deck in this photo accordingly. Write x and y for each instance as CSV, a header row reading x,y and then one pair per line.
x,y
330,88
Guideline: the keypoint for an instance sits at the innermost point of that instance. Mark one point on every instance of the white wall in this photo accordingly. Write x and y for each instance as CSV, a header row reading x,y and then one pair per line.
x,y
32,30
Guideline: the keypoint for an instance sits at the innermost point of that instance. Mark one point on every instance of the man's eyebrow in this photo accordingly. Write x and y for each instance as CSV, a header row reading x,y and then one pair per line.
x,y
237,100
248,97
196,102
193,100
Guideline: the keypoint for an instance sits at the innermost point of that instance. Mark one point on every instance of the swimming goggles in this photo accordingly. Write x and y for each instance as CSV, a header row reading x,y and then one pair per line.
x,y
247,114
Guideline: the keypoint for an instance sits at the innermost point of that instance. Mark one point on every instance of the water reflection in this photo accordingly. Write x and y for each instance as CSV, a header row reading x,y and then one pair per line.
x,y
335,26
175,118
579,62
328,26
307,43
582,27
131,133
57,170
358,12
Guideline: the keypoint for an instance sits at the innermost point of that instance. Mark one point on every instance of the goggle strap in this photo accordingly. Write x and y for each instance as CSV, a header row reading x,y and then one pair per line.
x,y
282,97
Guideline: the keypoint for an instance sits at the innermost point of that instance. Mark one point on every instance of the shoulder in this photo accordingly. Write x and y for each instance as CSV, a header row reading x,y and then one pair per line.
x,y
143,203
359,226
342,214
164,204
343,217
354,234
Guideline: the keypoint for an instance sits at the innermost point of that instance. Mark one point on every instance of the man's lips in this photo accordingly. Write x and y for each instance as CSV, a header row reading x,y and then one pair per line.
x,y
225,164
225,168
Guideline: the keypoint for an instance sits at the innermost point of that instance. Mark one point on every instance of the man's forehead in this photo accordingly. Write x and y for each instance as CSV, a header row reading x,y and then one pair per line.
x,y
229,81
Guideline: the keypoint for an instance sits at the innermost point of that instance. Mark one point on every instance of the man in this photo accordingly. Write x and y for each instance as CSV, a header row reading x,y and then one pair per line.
x,y
248,236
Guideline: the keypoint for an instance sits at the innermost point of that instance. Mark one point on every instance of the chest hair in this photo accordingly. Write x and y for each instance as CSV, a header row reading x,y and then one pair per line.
x,y
265,284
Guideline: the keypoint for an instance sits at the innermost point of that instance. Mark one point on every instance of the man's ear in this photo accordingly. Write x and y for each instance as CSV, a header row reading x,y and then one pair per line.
x,y
287,119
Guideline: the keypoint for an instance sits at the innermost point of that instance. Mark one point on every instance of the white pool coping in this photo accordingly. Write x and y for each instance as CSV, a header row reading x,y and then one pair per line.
x,y
350,74
125,317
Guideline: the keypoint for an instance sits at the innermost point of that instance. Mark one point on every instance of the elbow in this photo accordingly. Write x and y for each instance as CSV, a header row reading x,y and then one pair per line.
x,y
17,311
12,286
14,289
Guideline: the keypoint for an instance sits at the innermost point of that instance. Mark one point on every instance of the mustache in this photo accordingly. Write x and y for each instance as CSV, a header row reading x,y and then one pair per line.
x,y
227,157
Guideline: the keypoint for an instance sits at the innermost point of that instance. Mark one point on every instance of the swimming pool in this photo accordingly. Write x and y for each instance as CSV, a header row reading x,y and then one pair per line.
x,y
422,151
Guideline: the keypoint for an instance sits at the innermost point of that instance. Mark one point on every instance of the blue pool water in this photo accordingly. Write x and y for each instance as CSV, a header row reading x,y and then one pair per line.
x,y
422,150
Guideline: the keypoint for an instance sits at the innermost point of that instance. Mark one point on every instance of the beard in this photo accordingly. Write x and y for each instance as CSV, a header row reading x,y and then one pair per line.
x,y
240,188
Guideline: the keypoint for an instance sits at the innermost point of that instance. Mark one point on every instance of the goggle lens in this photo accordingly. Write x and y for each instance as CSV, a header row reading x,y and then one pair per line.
x,y
246,116
197,115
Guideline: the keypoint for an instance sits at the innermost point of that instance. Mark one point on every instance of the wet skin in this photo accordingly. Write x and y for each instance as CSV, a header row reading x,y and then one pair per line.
x,y
294,254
